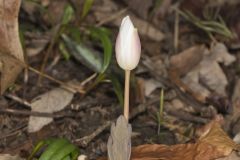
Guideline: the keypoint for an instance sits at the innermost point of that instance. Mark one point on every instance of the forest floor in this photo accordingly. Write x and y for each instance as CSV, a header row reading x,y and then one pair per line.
x,y
196,66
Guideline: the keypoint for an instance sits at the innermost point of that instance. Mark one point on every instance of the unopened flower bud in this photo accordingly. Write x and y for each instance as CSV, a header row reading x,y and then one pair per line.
x,y
128,46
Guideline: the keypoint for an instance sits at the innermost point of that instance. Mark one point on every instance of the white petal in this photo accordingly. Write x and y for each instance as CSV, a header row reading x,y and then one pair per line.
x,y
128,47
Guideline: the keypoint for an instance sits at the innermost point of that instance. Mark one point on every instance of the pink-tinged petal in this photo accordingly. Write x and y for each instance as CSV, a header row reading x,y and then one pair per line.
x,y
128,47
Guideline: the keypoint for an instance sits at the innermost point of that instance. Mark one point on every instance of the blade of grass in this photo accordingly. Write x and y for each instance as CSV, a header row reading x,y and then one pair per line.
x,y
160,113
86,7
68,14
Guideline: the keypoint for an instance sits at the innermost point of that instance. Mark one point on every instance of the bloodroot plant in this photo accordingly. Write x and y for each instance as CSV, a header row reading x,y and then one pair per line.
x,y
128,50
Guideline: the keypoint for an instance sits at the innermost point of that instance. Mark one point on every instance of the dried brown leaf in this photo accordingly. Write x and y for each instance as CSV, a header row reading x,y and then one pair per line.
x,y
9,69
186,60
10,47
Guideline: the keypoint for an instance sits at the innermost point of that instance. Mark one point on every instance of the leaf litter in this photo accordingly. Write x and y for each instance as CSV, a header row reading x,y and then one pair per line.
x,y
196,69
203,74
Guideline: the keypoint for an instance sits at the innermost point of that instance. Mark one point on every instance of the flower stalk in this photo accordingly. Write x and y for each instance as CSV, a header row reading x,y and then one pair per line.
x,y
126,94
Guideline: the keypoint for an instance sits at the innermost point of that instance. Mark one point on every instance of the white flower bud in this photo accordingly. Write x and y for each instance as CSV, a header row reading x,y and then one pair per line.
x,y
128,46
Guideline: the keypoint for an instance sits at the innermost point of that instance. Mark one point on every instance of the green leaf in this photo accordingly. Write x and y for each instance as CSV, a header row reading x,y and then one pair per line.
x,y
36,149
63,152
53,148
68,14
103,35
81,53
39,146
86,7
57,149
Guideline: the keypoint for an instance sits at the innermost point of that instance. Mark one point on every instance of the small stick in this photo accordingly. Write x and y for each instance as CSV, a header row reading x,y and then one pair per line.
x,y
84,141
69,87
112,17
88,79
19,100
36,114
176,31
126,94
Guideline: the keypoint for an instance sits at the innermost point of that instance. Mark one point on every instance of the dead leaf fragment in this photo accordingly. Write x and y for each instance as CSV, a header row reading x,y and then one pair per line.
x,y
10,67
9,157
186,60
82,157
219,53
151,85
52,101
211,75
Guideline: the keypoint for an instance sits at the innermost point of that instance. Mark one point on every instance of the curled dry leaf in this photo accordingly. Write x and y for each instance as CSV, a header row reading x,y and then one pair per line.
x,y
10,48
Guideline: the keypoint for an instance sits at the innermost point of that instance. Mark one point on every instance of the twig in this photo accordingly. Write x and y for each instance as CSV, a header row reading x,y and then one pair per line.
x,y
36,114
88,79
176,31
18,99
69,87
186,116
84,141
110,18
